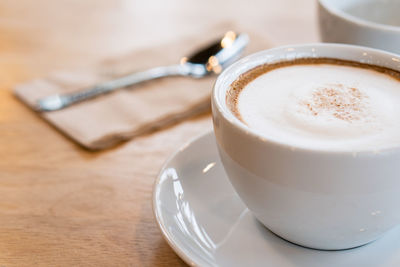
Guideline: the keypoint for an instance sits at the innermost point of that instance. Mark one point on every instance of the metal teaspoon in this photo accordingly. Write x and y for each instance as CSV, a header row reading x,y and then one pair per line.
x,y
208,60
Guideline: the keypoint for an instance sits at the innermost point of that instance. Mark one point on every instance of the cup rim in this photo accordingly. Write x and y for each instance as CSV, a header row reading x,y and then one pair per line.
x,y
222,108
356,20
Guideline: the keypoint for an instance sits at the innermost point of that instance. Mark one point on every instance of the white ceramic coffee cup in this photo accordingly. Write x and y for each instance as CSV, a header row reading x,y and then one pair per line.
x,y
318,199
337,25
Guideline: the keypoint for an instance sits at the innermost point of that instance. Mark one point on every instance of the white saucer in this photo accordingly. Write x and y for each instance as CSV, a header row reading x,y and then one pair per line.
x,y
205,222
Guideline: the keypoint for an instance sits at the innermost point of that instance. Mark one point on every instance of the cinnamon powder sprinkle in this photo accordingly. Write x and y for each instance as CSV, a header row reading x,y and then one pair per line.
x,y
343,103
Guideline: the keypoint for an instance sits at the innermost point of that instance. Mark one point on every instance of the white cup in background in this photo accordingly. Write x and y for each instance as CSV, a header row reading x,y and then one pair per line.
x,y
373,23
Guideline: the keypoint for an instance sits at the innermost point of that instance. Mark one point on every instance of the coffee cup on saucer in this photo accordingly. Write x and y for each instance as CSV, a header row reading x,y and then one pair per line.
x,y
309,136
373,23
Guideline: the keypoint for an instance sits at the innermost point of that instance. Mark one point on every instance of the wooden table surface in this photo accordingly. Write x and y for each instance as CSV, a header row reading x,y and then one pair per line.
x,y
61,205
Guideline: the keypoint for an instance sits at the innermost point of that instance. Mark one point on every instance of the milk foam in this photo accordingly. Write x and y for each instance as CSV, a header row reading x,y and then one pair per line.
x,y
324,106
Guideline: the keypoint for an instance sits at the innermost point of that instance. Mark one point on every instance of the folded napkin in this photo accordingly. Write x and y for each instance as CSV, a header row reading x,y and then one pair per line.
x,y
109,119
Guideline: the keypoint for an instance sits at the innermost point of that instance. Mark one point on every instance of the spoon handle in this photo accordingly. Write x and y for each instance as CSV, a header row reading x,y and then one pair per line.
x,y
60,101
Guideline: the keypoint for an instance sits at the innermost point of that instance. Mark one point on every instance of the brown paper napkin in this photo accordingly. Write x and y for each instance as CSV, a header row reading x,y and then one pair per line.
x,y
107,120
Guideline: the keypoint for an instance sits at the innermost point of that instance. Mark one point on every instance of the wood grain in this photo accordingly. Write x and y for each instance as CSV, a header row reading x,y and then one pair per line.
x,y
61,205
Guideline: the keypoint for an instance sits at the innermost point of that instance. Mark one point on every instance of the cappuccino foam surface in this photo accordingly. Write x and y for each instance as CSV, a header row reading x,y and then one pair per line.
x,y
323,106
